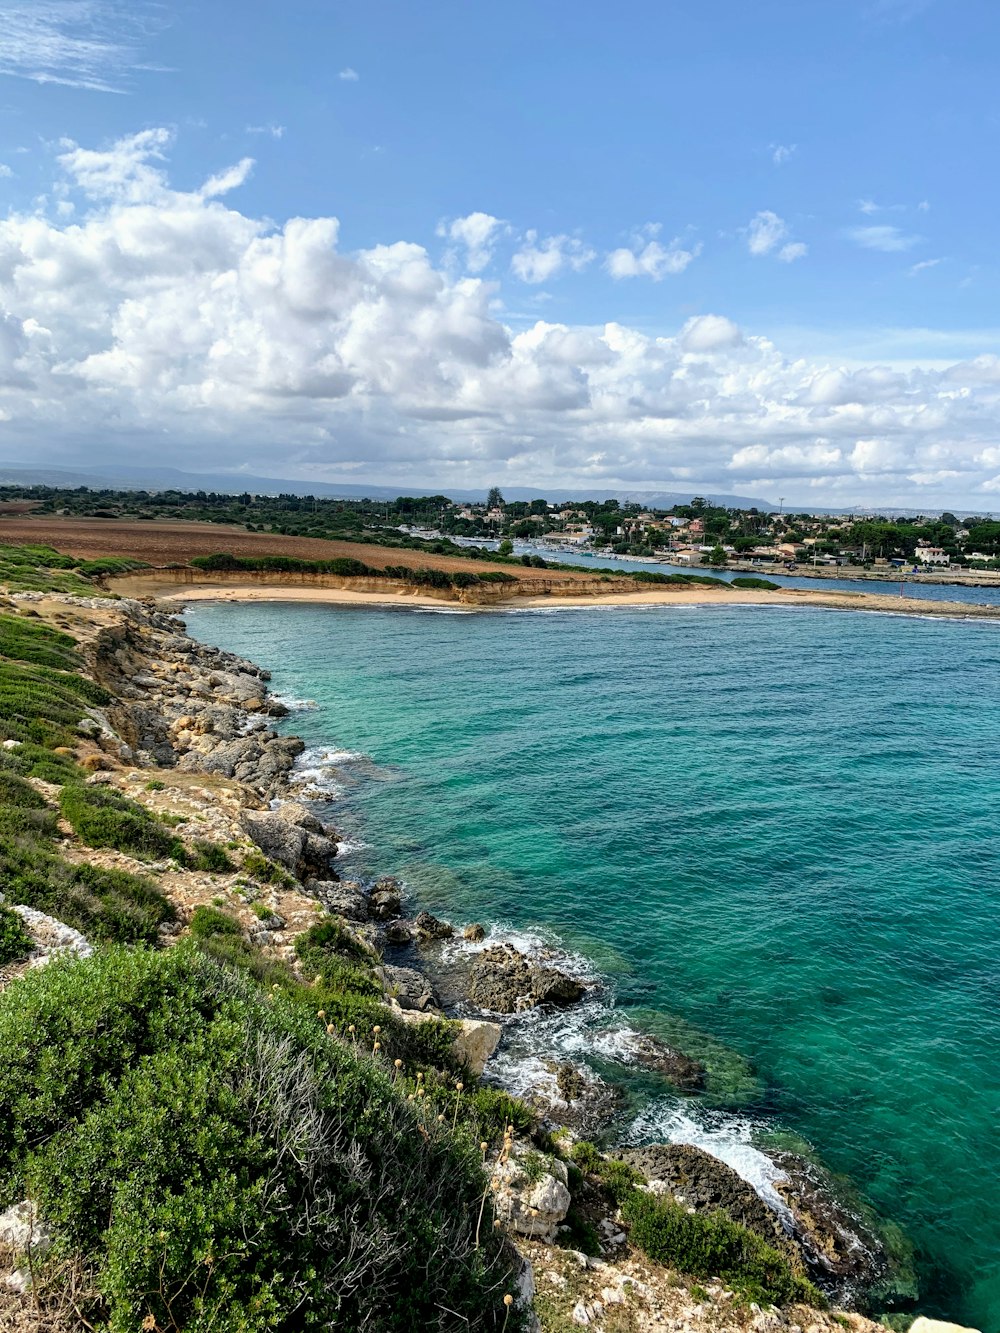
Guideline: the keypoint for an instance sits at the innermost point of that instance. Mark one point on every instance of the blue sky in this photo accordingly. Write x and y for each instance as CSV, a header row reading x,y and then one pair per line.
x,y
743,247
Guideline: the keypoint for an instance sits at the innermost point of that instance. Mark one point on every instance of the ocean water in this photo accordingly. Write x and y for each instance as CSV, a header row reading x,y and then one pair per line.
x,y
774,826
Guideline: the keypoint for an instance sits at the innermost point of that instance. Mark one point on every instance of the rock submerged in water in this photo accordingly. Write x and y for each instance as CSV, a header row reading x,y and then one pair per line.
x,y
684,1073
841,1246
571,1096
505,981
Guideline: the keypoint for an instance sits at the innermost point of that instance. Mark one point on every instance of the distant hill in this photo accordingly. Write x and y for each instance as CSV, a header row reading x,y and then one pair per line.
x,y
128,478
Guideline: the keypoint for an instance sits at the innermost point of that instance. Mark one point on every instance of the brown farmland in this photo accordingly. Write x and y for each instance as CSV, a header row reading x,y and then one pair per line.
x,y
174,542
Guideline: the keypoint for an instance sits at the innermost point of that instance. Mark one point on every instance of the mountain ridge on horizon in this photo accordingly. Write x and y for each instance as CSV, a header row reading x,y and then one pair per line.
x,y
130,477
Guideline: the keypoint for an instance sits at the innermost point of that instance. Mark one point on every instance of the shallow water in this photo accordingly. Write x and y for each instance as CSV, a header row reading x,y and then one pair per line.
x,y
779,825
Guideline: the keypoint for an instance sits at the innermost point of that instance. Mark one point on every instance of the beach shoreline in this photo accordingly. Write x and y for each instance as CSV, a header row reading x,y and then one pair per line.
x,y
171,591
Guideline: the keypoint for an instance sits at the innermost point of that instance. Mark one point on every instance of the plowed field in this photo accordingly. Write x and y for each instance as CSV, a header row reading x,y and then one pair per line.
x,y
173,543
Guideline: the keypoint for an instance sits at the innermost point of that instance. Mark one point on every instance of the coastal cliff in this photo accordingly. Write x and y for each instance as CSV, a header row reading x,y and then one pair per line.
x,y
187,861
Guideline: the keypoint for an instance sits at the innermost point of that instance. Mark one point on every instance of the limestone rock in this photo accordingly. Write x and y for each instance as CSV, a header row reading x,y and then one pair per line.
x,y
345,897
431,928
924,1325
531,1193
700,1181
685,1074
475,1042
302,851
505,981
474,933
409,987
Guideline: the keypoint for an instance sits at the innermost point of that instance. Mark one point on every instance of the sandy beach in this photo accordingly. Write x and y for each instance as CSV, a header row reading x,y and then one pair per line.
x,y
273,590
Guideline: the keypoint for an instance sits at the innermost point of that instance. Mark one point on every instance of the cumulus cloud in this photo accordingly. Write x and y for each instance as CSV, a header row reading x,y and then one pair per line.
x,y
647,258
5,171
160,323
924,264
794,250
882,237
273,131
538,261
476,234
783,152
349,75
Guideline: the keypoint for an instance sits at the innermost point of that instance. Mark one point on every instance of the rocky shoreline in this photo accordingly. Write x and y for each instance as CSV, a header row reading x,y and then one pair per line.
x,y
201,720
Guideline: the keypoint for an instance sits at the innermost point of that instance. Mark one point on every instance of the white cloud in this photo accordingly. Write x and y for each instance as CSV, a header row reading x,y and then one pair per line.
x,y
885,238
924,264
476,234
710,333
79,43
274,131
765,231
164,323
230,179
5,171
538,261
783,152
650,259
765,235
349,75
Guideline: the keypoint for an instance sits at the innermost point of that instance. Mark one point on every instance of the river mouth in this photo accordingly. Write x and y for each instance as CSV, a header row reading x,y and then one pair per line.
x,y
775,828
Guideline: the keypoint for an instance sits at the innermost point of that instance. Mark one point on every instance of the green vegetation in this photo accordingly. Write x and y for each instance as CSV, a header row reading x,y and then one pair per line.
x,y
102,817
220,1162
265,871
711,1245
15,942
41,569
765,585
35,642
700,1244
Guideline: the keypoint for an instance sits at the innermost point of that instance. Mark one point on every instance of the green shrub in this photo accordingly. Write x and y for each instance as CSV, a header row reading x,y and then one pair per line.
x,y
765,585
264,870
102,817
103,904
15,942
711,1244
209,921
28,641
224,1164
209,857
44,706
36,761
14,791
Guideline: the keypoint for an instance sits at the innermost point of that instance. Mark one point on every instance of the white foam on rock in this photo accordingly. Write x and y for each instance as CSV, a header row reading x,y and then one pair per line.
x,y
727,1137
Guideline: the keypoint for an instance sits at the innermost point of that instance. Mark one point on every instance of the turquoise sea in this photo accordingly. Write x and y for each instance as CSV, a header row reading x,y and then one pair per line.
x,y
776,825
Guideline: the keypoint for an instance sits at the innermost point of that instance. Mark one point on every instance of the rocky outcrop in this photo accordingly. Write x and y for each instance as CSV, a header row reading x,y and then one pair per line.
x,y
293,837
571,1096
505,981
409,988
430,928
531,1192
840,1245
474,1040
700,1181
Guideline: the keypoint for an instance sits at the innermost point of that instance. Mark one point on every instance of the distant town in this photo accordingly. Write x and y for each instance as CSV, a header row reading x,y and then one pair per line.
x,y
693,534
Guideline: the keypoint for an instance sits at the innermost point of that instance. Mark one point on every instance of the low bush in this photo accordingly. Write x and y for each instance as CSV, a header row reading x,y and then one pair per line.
x,y
209,857
222,1163
264,870
102,817
765,585
15,942
30,641
712,1245
208,921
42,705
36,761
105,905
